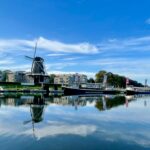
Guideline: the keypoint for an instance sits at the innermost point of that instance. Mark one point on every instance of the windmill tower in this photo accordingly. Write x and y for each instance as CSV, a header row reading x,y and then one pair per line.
x,y
38,72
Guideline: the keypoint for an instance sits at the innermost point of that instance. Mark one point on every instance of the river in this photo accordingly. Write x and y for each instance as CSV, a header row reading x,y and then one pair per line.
x,y
74,122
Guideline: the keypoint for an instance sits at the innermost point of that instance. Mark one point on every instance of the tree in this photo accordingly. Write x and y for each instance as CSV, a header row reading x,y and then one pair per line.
x,y
51,78
4,76
91,80
99,76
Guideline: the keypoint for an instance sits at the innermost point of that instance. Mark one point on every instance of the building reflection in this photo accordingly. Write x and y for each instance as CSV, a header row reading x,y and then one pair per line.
x,y
37,103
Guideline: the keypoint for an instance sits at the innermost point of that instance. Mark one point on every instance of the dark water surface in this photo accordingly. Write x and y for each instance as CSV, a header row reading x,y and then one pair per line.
x,y
75,123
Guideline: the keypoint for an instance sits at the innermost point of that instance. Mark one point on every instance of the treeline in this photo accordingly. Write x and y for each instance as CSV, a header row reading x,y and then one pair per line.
x,y
3,76
113,80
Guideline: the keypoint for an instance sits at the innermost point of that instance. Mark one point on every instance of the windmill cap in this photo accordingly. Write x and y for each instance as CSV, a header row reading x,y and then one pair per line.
x,y
38,59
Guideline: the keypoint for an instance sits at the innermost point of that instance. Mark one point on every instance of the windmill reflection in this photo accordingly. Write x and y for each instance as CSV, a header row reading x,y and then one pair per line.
x,y
36,110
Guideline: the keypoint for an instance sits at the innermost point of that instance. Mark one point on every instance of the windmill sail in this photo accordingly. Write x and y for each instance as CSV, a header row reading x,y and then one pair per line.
x,y
34,56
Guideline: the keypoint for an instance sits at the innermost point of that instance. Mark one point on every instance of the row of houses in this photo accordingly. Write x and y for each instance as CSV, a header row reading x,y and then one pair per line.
x,y
22,76
18,76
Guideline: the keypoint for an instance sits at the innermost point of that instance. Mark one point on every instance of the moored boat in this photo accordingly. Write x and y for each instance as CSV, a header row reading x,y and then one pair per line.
x,y
80,91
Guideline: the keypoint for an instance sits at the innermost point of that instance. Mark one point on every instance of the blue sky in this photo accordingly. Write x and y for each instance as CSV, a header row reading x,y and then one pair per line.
x,y
82,36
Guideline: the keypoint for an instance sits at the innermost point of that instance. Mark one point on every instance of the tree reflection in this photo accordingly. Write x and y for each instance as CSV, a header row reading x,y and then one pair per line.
x,y
109,102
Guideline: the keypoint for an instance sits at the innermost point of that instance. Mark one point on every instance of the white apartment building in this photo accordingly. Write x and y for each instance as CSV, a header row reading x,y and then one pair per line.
x,y
70,79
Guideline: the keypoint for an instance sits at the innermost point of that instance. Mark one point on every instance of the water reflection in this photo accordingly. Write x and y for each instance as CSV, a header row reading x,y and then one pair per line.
x,y
60,121
37,103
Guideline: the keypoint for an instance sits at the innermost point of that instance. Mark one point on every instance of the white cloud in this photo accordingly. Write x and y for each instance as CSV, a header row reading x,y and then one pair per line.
x,y
89,74
56,54
61,48
69,48
55,129
59,66
19,67
71,58
6,62
49,45
128,44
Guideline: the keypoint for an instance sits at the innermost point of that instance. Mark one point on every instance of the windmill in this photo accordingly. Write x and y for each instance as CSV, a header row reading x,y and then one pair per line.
x,y
37,69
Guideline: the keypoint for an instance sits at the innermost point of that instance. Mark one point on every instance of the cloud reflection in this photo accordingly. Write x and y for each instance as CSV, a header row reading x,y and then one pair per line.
x,y
114,125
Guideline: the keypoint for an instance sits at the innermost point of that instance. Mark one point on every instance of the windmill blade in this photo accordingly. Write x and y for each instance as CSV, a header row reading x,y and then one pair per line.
x,y
34,56
35,49
26,122
28,57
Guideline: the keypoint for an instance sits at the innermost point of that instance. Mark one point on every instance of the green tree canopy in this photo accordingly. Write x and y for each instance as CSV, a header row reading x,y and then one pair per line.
x,y
51,78
115,79
91,80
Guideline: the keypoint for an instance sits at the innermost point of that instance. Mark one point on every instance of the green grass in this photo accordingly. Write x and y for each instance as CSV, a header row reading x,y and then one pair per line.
x,y
20,87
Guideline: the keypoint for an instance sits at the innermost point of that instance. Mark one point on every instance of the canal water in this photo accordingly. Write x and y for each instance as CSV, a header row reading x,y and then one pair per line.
x,y
74,122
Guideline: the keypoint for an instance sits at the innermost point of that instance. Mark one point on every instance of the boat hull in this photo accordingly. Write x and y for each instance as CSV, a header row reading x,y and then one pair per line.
x,y
72,91
130,92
